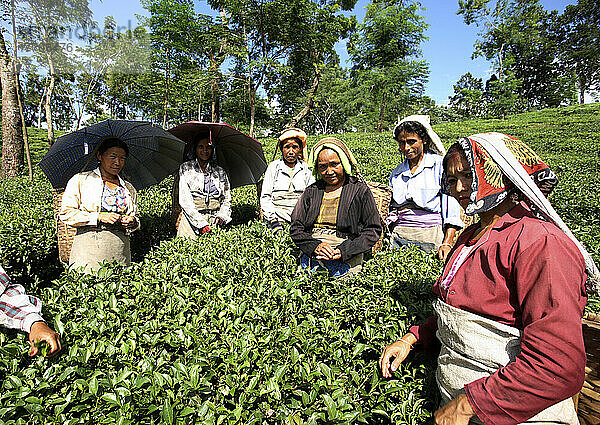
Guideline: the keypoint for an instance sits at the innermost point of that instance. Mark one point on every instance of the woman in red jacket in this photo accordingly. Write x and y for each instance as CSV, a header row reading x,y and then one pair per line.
x,y
511,296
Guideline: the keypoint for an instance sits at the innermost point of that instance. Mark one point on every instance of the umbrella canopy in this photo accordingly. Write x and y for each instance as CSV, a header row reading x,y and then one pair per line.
x,y
153,152
241,156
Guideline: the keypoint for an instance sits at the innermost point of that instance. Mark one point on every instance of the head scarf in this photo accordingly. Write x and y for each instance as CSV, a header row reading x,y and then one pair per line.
x,y
488,186
493,156
346,157
294,133
436,142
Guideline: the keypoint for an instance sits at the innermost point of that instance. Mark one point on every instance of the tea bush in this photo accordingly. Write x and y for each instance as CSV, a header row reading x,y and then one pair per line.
x,y
224,330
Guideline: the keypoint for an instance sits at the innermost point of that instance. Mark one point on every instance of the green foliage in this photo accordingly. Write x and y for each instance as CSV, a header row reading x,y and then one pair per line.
x,y
223,329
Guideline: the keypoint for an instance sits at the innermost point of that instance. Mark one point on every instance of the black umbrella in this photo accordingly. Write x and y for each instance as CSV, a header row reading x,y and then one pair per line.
x,y
153,152
241,156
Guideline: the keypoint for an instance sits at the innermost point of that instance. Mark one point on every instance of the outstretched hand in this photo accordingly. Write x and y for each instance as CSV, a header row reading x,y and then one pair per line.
x,y
40,331
398,351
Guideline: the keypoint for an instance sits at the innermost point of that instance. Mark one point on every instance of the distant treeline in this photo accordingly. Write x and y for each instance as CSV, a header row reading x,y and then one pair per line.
x,y
261,65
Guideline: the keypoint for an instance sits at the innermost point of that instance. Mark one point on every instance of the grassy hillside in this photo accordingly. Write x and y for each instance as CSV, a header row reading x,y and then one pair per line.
x,y
223,330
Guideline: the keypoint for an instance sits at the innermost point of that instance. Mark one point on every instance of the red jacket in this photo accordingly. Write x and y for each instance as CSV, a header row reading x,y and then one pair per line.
x,y
530,275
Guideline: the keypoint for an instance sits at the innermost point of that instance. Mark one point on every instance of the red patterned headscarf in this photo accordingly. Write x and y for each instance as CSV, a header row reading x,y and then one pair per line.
x,y
489,186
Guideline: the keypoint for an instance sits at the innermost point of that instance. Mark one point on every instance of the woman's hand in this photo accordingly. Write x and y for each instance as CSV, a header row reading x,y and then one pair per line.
x,y
443,251
398,351
219,222
457,412
128,221
109,217
324,251
337,254
40,331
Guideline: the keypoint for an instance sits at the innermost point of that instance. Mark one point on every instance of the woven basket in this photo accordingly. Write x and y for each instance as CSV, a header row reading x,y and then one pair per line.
x,y
588,399
64,233
175,207
383,196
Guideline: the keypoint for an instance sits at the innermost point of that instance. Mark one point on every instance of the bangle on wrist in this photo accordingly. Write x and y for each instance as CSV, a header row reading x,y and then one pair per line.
x,y
446,244
410,346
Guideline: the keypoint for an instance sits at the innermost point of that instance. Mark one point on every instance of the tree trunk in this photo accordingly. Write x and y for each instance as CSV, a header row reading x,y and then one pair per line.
x,y
166,101
309,100
214,91
40,105
19,94
381,113
12,131
252,96
582,85
48,106
48,109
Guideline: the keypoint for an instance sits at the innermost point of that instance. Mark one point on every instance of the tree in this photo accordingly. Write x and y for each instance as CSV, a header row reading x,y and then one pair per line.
x,y
579,30
468,96
384,51
515,37
282,36
12,131
50,19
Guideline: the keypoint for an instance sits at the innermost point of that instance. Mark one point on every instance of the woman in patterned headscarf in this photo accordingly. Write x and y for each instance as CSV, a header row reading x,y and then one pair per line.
x,y
511,296
335,220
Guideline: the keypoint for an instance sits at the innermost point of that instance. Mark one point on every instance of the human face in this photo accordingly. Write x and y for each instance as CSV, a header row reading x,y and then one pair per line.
x,y
291,151
330,168
411,146
460,179
204,150
112,161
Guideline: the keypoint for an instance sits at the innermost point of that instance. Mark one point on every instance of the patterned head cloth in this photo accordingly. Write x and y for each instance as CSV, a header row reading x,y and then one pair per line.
x,y
489,186
294,133
494,157
346,157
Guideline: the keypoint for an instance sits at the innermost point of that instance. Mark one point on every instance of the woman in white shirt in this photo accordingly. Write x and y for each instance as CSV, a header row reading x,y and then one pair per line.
x,y
102,206
285,179
420,214
204,193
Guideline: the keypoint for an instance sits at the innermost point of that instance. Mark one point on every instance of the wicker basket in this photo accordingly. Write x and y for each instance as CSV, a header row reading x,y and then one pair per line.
x,y
383,196
64,233
588,399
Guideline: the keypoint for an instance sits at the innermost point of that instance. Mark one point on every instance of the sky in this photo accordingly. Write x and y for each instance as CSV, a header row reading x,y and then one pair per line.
x,y
448,49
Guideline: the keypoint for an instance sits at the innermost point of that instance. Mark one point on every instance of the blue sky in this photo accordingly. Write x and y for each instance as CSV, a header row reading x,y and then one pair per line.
x,y
448,49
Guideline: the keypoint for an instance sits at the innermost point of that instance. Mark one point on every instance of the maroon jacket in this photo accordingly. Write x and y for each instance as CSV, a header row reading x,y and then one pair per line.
x,y
529,275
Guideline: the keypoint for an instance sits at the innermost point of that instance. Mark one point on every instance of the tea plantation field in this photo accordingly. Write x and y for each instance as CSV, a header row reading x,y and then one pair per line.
x,y
223,330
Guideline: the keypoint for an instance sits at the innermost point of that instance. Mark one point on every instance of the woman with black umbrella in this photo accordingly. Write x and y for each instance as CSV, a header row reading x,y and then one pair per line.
x,y
103,208
204,192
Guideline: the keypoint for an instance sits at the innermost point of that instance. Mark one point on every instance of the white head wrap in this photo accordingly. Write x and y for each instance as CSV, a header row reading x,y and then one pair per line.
x,y
424,120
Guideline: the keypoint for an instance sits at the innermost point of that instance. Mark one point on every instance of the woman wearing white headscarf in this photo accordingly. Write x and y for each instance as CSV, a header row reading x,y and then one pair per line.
x,y
285,179
511,296
420,214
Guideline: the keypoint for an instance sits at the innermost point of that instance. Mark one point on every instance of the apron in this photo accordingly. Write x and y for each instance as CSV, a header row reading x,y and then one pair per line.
x,y
474,347
284,203
429,239
95,244
208,211
336,268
